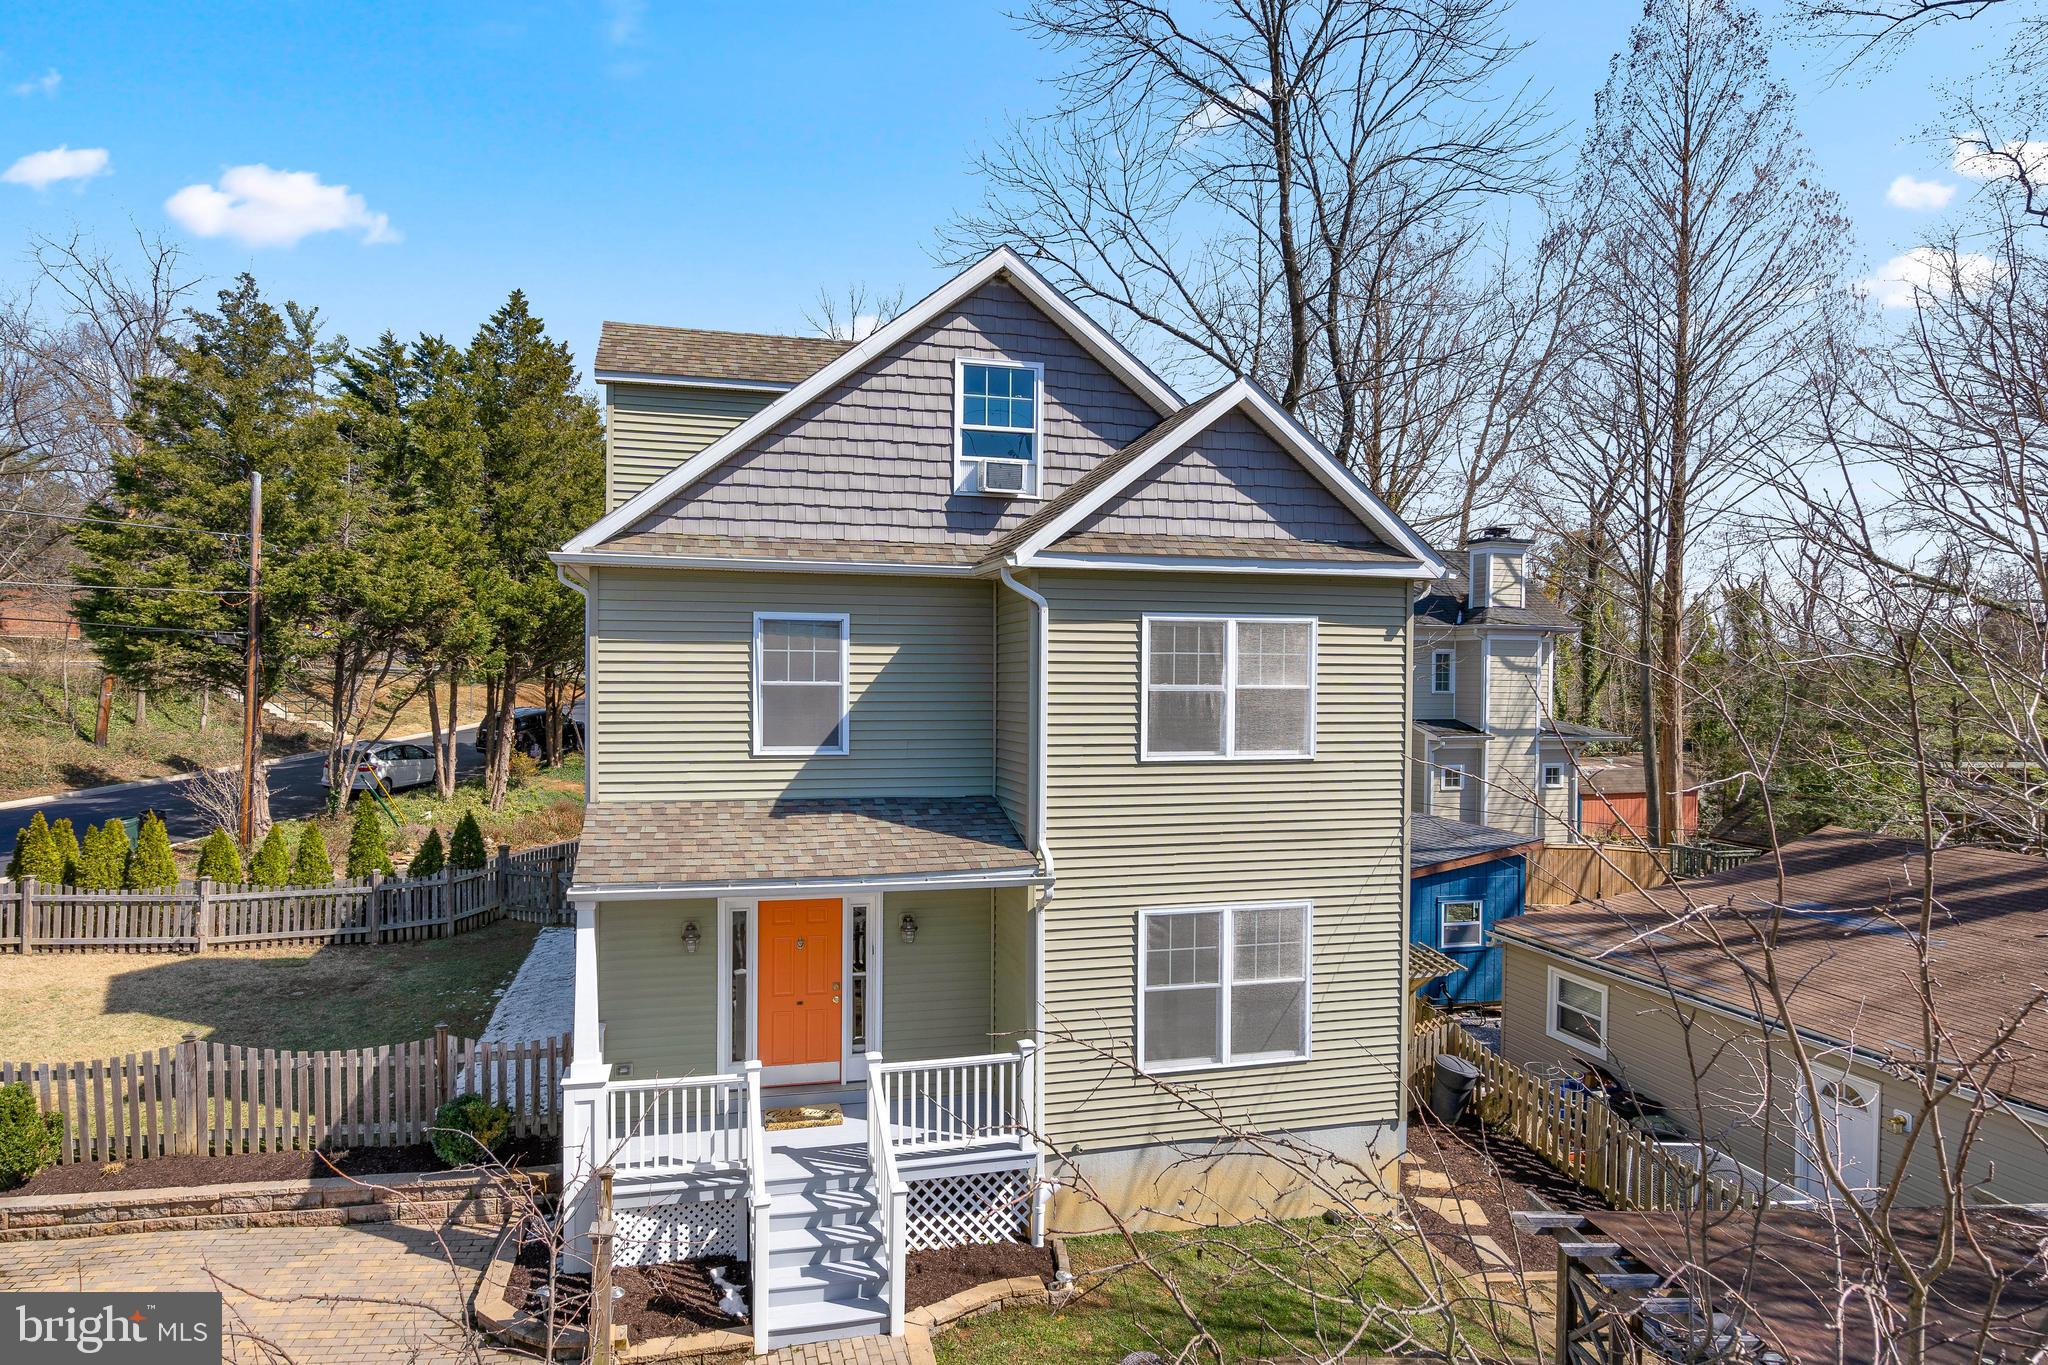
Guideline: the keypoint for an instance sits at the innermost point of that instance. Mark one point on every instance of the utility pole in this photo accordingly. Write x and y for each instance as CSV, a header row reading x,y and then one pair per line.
x,y
251,716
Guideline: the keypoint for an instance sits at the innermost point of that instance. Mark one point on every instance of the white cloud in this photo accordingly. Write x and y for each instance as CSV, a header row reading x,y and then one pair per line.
x,y
45,84
1927,270
40,170
1978,159
622,20
1908,193
264,207
1221,113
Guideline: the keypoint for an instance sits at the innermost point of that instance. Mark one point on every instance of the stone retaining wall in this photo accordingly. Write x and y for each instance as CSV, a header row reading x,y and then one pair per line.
x,y
329,1201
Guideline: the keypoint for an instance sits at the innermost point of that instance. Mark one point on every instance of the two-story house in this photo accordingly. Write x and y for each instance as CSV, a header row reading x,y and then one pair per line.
x,y
1488,746
995,758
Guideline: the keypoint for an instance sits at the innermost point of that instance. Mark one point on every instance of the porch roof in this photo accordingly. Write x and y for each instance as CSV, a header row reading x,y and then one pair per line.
x,y
703,845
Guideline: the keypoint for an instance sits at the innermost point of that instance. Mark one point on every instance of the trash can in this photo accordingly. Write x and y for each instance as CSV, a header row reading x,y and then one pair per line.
x,y
1452,1090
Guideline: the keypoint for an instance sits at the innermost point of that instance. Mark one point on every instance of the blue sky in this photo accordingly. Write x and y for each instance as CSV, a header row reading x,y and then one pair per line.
x,y
704,165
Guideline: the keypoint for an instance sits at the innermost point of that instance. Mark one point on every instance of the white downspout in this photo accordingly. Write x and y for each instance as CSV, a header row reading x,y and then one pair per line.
x,y
1041,749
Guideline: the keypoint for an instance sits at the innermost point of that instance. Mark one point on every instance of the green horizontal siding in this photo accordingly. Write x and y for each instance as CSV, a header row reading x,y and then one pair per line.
x,y
936,991
652,428
658,1003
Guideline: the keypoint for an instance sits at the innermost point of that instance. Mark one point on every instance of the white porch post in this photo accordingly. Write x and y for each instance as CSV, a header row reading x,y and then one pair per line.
x,y
586,1137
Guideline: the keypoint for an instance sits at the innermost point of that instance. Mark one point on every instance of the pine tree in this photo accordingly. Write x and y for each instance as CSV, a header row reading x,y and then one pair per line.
x,y
92,859
366,851
311,866
466,847
273,862
152,868
110,867
429,861
69,855
219,859
35,853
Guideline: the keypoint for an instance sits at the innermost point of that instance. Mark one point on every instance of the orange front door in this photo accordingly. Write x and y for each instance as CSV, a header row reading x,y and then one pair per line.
x,y
799,986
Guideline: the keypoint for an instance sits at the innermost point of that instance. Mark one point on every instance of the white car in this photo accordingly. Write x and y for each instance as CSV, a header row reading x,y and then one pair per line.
x,y
398,764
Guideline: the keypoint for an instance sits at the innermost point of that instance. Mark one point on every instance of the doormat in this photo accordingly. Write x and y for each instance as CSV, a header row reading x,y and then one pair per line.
x,y
803,1116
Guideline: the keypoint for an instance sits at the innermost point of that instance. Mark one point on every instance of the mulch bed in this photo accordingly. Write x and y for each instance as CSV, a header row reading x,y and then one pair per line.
x,y
930,1276
675,1300
191,1172
1498,1175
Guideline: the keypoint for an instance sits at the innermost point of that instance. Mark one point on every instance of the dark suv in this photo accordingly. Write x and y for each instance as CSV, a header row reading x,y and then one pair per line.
x,y
530,732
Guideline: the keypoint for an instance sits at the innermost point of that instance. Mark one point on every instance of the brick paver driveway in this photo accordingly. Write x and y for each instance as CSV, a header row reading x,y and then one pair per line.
x,y
386,1286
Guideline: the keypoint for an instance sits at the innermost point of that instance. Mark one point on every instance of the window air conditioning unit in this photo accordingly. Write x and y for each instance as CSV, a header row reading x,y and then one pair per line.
x,y
1003,476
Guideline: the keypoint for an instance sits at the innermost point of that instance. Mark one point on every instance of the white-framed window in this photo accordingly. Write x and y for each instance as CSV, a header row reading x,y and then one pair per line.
x,y
800,668
1553,777
1460,924
1228,687
1223,985
1577,1013
998,426
1443,671
1451,777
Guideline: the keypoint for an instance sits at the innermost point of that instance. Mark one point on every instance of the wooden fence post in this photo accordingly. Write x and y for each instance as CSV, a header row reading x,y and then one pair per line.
x,y
200,914
448,891
601,1273
376,907
1596,1146
28,915
191,1104
501,884
443,1080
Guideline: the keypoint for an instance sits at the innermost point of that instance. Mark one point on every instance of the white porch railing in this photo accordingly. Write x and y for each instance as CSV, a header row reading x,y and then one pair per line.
x,y
955,1101
757,1207
693,1122
892,1196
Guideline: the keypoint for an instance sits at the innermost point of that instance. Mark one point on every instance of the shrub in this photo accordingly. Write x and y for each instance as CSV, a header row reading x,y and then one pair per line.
x,y
468,1126
273,863
466,846
522,768
219,859
35,853
105,864
311,866
151,867
70,857
429,861
366,851
29,1139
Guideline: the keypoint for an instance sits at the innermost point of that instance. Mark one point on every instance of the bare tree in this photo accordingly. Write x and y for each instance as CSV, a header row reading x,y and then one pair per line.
x,y
854,315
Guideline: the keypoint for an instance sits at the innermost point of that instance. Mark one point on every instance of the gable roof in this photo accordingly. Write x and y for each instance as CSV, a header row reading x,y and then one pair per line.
x,y
1845,939
1447,603
1400,550
629,350
1001,262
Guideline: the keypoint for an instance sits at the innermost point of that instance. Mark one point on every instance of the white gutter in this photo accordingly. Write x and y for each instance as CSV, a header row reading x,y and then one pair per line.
x,y
1041,748
909,881
742,564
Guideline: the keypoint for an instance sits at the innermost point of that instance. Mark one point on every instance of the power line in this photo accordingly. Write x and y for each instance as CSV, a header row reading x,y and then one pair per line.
x,y
118,587
124,521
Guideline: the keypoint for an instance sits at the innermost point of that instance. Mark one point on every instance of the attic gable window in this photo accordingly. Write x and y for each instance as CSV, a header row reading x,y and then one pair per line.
x,y
997,428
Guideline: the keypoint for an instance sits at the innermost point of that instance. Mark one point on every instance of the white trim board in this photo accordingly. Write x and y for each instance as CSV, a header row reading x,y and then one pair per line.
x,y
820,886
677,381
1002,261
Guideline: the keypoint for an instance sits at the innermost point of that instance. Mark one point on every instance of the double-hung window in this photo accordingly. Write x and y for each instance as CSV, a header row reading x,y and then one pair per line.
x,y
800,683
998,428
1451,777
1578,1013
1223,985
1461,924
1222,687
1443,671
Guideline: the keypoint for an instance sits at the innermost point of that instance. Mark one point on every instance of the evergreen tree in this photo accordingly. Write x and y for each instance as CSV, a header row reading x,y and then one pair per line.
x,y
69,855
110,868
92,862
466,846
152,868
273,862
219,859
366,851
35,853
429,861
311,866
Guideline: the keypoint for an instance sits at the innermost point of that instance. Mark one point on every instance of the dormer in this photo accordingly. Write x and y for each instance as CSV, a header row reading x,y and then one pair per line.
x,y
1497,569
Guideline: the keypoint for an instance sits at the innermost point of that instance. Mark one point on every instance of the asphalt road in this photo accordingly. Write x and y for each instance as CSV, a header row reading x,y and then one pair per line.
x,y
295,790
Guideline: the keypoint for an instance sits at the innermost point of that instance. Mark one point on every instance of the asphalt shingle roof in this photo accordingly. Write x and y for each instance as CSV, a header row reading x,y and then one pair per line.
x,y
693,353
663,843
1443,603
1432,839
1450,729
686,544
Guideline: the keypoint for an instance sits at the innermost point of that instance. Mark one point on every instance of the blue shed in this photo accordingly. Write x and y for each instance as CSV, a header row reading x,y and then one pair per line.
x,y
1462,880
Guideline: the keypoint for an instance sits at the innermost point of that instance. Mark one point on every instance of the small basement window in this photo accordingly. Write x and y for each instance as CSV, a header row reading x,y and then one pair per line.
x,y
1461,924
997,428
1578,1013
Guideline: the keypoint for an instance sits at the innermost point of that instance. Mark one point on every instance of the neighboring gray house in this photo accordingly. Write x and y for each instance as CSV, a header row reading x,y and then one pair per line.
x,y
1489,749
989,741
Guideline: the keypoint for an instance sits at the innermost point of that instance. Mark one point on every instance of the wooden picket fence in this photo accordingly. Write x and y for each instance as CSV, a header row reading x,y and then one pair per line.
x,y
1565,874
213,1099
1574,1130
198,916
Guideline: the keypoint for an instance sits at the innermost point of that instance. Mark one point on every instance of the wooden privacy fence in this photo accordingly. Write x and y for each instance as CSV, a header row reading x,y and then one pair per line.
x,y
213,1099
196,916
1562,874
1574,1130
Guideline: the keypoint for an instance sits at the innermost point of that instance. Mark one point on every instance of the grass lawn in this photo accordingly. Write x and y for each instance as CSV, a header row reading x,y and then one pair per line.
x,y
1252,1315
77,1006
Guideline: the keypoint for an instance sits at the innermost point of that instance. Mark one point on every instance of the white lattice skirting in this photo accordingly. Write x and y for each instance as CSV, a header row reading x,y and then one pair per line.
x,y
680,1231
965,1210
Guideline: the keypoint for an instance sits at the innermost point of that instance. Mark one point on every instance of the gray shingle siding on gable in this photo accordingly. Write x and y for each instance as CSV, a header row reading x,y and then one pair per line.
x,y
1232,481
873,458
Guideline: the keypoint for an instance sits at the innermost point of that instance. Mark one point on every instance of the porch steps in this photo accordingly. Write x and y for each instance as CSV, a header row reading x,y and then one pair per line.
x,y
825,1275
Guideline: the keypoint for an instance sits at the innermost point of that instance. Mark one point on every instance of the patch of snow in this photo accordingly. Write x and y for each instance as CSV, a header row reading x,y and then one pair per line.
x,y
540,1002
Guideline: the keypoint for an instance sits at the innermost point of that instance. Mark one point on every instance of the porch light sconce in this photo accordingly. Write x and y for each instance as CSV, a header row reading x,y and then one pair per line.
x,y
691,938
908,929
